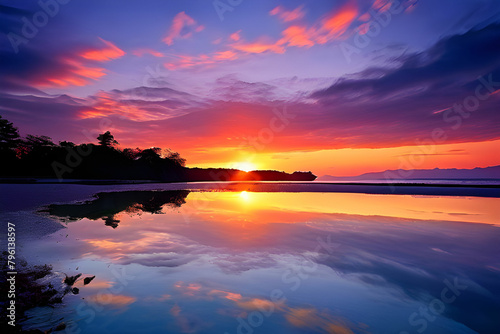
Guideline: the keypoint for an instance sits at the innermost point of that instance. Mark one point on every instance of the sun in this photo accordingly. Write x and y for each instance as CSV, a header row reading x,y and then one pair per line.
x,y
245,166
245,196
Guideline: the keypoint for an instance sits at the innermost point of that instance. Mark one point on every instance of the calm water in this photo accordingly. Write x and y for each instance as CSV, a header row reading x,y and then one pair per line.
x,y
260,262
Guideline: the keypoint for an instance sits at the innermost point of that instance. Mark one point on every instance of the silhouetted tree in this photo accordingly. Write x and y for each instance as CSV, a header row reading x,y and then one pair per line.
x,y
37,145
9,135
67,144
175,157
132,153
107,139
151,154
38,141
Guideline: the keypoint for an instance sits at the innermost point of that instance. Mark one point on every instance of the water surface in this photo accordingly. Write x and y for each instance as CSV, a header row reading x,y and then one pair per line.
x,y
182,261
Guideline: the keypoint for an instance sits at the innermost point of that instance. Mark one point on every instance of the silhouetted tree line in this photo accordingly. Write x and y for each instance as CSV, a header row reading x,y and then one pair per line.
x,y
39,157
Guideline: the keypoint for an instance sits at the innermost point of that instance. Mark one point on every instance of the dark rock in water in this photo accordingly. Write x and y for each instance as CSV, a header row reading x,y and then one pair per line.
x,y
87,280
70,280
75,291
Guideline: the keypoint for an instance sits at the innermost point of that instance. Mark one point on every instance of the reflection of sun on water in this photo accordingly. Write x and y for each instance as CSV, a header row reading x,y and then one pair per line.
x,y
245,196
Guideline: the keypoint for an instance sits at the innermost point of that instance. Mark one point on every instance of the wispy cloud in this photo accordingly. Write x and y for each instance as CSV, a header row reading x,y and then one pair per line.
x,y
146,51
183,26
108,53
286,15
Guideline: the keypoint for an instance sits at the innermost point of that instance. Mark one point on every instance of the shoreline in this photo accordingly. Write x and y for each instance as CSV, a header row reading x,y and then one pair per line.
x,y
419,189
353,183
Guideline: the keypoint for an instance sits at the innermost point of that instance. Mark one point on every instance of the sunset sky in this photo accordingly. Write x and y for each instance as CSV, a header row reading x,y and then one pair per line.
x,y
339,87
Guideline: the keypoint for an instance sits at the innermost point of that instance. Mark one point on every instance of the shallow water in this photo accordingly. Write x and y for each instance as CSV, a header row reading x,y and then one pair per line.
x,y
279,262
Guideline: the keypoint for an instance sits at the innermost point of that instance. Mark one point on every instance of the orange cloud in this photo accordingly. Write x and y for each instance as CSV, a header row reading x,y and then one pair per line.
x,y
106,104
310,318
296,36
225,55
334,26
180,24
259,47
251,304
288,16
112,300
106,54
73,70
188,289
225,294
72,73
142,52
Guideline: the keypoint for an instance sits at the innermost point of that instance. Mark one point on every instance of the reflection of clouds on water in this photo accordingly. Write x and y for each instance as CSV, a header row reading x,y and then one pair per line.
x,y
253,311
111,300
403,257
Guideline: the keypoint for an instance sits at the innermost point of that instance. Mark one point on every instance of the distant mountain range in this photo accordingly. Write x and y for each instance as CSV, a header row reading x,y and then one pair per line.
x,y
492,172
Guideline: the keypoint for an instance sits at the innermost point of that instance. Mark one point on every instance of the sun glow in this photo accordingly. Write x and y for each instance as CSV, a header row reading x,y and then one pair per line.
x,y
245,196
244,166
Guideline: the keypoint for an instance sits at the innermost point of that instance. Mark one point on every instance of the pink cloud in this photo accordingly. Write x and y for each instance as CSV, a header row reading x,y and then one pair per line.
x,y
180,24
276,10
382,5
186,61
336,25
235,36
365,17
142,52
364,28
108,53
226,55
288,16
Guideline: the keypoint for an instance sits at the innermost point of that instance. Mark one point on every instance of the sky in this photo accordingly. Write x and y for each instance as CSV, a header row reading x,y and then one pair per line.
x,y
339,87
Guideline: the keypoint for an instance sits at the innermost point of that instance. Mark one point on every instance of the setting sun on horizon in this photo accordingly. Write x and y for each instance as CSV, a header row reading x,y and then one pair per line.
x,y
244,166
